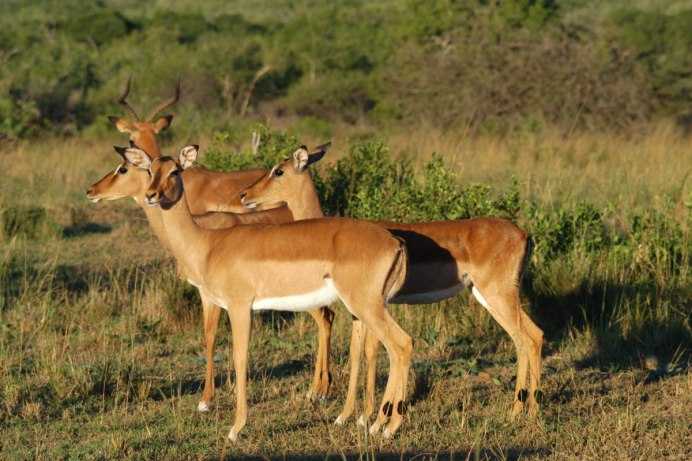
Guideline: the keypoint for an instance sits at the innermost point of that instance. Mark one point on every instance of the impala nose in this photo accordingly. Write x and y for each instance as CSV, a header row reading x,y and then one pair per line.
x,y
90,195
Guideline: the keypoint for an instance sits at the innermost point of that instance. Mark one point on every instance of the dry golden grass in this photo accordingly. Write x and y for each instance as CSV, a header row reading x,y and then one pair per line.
x,y
553,165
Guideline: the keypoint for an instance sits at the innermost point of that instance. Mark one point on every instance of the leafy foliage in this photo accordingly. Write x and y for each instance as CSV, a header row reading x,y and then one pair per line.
x,y
493,65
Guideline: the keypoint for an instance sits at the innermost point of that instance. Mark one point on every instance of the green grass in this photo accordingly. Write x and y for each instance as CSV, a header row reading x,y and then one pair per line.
x,y
101,349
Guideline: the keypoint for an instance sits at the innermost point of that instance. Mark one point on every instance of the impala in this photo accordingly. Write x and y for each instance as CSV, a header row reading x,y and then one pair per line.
x,y
126,181
487,254
131,182
208,190
295,266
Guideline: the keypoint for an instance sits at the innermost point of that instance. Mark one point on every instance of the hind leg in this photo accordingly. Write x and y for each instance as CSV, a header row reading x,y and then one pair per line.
x,y
535,345
504,308
372,348
399,346
405,342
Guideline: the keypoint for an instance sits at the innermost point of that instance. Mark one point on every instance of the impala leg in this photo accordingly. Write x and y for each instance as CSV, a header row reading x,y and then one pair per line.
x,y
399,347
354,352
507,313
321,379
328,316
372,348
241,323
405,343
211,314
534,345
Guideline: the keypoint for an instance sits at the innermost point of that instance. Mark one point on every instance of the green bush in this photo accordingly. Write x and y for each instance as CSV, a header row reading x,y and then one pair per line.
x,y
224,154
661,43
495,66
19,120
29,221
100,27
188,27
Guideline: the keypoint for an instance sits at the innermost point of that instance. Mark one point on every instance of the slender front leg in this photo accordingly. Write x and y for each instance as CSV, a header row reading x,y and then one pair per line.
x,y
241,324
321,379
354,352
212,314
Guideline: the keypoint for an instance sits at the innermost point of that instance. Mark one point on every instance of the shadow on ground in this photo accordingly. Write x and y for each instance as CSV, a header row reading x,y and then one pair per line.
x,y
506,454
603,309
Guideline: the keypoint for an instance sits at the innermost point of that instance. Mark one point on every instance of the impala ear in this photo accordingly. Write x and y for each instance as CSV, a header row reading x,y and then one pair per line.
x,y
188,155
121,152
138,158
163,124
300,159
317,153
121,125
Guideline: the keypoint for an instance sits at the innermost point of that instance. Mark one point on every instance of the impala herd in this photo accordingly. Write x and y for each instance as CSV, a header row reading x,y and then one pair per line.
x,y
288,256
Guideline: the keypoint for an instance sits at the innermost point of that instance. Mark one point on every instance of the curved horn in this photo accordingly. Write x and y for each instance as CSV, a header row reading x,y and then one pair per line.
x,y
167,103
122,100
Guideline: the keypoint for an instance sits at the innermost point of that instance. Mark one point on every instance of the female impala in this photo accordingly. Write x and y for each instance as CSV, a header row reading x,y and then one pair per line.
x,y
488,254
207,191
126,181
294,266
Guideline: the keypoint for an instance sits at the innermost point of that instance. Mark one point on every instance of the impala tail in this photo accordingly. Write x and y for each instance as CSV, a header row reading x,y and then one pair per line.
x,y
528,249
397,273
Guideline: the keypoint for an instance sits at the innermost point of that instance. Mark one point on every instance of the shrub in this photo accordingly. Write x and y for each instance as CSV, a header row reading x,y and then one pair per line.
x,y
661,44
100,27
225,154
28,221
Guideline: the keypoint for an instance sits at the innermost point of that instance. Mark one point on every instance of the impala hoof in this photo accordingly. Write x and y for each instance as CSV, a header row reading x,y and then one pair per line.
x,y
233,436
388,432
203,407
322,398
362,421
339,421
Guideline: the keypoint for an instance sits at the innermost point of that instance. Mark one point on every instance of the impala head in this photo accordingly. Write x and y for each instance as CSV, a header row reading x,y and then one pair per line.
x,y
166,184
143,133
124,181
284,179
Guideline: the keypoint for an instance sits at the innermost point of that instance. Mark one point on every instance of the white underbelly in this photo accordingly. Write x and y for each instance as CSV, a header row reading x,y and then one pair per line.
x,y
427,297
299,303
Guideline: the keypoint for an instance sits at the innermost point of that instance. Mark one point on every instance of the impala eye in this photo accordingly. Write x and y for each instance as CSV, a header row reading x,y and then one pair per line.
x,y
278,172
122,170
174,173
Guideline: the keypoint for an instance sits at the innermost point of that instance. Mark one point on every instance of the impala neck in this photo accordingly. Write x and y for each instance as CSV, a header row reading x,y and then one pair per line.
x,y
146,140
188,242
305,205
155,219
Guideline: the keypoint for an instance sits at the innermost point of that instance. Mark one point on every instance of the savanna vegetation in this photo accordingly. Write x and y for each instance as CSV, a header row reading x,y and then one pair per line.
x,y
570,118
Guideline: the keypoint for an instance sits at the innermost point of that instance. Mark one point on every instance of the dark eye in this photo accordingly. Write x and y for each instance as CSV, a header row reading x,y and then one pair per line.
x,y
278,172
122,170
174,173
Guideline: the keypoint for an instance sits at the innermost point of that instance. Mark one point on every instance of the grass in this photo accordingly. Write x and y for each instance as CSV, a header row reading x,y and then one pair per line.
x,y
101,349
